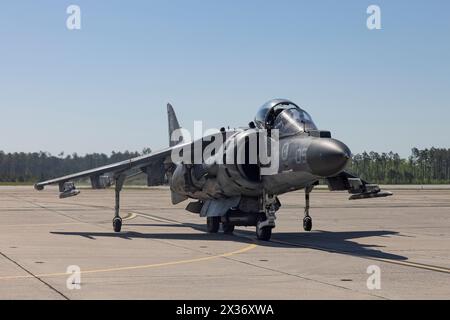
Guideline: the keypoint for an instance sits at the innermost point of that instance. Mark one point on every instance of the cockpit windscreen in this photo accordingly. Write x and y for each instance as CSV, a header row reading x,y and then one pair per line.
x,y
293,120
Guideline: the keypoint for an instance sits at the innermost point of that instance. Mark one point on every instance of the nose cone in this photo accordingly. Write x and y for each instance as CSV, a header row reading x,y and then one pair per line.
x,y
327,157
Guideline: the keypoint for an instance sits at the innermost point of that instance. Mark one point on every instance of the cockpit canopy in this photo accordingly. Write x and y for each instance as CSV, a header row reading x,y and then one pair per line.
x,y
285,116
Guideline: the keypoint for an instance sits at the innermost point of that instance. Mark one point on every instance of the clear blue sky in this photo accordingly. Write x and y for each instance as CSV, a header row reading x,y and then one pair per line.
x,y
105,87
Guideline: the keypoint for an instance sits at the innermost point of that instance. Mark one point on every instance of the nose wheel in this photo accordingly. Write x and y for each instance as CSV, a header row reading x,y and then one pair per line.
x,y
307,223
117,224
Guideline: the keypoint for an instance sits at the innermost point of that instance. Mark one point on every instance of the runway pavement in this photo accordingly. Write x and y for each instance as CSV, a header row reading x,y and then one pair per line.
x,y
163,251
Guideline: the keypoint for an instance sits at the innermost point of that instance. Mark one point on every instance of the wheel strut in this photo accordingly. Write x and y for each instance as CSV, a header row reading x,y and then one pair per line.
x,y
117,221
307,220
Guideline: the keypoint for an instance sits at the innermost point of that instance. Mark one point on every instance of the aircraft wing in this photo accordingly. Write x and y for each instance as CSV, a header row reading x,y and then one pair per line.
x,y
154,165
147,163
359,188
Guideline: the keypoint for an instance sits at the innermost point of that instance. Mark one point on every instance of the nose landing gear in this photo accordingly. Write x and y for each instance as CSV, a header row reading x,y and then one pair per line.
x,y
117,224
307,220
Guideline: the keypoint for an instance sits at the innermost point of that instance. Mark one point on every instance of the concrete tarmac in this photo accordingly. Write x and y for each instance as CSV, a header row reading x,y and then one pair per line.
x,y
163,251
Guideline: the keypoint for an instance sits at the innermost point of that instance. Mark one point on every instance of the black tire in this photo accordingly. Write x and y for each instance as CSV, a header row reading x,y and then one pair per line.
x,y
227,227
212,224
264,233
307,224
117,224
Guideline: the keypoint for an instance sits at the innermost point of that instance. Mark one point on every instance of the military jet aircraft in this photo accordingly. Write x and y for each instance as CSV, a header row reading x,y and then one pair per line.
x,y
237,193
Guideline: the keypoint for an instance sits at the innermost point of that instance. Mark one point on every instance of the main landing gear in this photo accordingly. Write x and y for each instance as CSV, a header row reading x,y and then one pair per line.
x,y
117,221
266,221
227,227
263,232
307,220
213,225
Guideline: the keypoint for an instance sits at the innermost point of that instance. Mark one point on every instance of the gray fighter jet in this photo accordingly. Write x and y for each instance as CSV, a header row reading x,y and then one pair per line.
x,y
231,193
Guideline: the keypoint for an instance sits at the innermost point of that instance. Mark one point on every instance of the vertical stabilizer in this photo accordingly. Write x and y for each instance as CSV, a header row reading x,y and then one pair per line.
x,y
173,124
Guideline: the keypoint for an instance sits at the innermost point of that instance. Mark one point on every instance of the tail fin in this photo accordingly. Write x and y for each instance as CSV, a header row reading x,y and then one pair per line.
x,y
173,125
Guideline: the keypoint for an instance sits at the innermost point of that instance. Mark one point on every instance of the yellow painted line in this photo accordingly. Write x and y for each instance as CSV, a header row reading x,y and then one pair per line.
x,y
129,216
157,219
148,266
402,263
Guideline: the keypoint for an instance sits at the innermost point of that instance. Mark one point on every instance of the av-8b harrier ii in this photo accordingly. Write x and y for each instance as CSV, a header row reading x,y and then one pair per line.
x,y
230,192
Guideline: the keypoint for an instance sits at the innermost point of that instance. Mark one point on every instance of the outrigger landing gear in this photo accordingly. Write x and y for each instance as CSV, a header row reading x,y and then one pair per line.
x,y
117,221
307,220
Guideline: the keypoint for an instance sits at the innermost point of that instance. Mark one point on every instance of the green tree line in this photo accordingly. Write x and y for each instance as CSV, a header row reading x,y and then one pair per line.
x,y
428,166
37,166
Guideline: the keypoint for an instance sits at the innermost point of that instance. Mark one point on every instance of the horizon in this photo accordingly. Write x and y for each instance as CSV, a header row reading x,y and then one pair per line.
x,y
145,149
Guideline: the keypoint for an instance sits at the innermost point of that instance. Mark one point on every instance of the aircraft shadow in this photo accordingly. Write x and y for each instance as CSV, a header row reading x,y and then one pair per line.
x,y
340,242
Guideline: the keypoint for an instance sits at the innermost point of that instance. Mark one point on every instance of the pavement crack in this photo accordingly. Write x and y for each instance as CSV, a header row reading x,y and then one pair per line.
x,y
34,276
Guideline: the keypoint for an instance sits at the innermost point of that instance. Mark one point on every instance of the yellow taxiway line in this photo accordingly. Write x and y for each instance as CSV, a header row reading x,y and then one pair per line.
x,y
307,246
129,216
148,266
